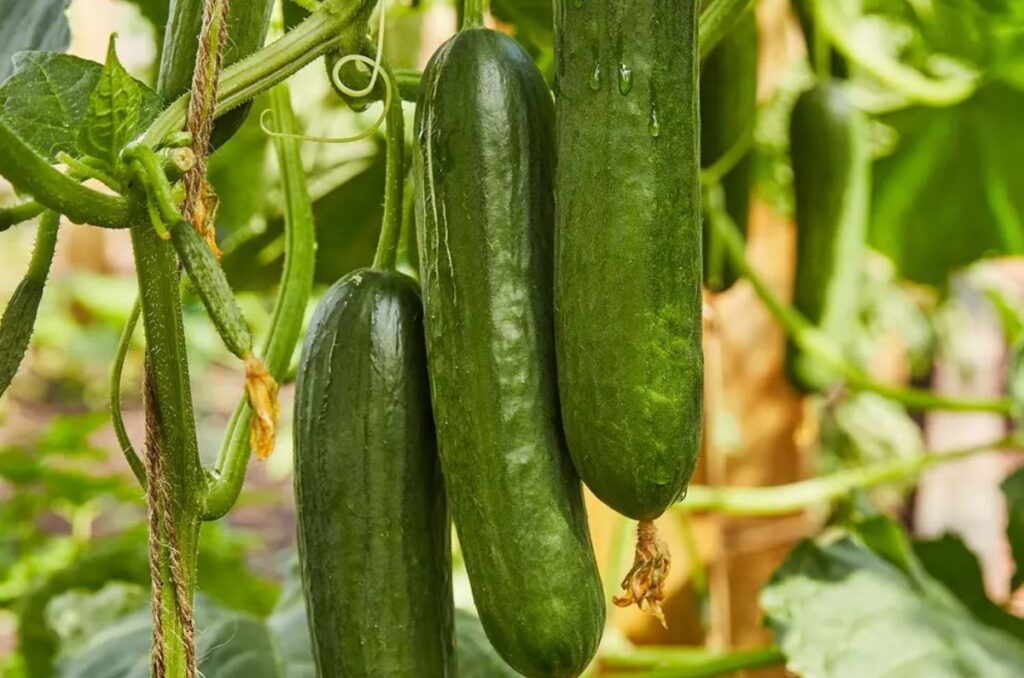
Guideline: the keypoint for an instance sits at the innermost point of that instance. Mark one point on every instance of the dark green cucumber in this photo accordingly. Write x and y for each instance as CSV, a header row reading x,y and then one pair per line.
x,y
628,254
728,106
248,21
372,522
212,286
20,315
831,184
484,172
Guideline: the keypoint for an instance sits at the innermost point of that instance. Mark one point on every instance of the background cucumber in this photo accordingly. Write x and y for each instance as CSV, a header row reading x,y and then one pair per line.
x,y
728,107
248,21
484,175
373,527
628,254
831,183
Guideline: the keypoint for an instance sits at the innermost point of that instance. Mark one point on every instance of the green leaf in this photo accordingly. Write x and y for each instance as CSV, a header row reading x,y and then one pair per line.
x,y
533,19
113,113
477,659
952,564
1013,490
31,25
47,98
964,159
840,610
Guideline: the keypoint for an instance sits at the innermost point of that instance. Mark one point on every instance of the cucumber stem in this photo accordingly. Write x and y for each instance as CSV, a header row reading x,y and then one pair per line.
x,y
11,216
116,416
793,497
394,183
813,342
473,12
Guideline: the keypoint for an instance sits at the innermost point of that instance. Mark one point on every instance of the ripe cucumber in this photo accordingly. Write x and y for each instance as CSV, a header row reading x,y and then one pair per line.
x,y
831,183
628,253
248,21
484,172
372,521
728,105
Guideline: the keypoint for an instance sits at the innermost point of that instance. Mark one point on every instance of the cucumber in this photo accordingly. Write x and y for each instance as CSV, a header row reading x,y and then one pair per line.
x,y
728,106
484,172
373,529
831,184
248,21
19,317
628,252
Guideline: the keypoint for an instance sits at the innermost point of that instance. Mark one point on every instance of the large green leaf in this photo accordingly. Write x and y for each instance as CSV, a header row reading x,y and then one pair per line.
x,y
842,610
47,98
113,113
31,25
1013,490
952,191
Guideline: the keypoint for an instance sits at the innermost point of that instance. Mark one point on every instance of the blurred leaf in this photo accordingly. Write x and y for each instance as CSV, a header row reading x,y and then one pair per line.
x,y
46,100
156,12
238,173
964,159
477,658
533,20
839,609
952,564
31,25
1013,490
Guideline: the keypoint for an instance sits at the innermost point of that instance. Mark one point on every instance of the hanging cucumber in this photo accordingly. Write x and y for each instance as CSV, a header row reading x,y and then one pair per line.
x,y
728,106
20,315
831,183
248,21
374,536
628,258
485,163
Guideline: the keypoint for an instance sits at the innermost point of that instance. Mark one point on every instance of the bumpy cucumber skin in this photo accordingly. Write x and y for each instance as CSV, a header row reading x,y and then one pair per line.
x,y
484,163
16,328
374,538
728,106
628,252
248,21
211,284
831,183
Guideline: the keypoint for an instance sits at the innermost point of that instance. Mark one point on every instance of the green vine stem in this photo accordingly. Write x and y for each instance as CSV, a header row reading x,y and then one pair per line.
x,y
17,214
226,482
407,249
677,662
473,13
29,172
717,19
116,415
894,75
811,341
785,499
394,181
263,69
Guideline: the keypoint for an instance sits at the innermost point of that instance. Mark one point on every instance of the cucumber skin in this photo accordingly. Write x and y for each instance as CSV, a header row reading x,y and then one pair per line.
x,y
374,536
628,252
831,183
16,328
728,106
484,163
248,21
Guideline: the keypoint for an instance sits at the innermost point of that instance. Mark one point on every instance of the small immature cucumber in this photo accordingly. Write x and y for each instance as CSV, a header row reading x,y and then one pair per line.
x,y
212,286
20,315
831,183
628,254
728,106
484,171
373,526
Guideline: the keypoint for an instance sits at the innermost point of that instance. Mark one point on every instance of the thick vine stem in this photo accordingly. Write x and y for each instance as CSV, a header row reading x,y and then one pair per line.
x,y
261,70
785,499
682,662
813,342
16,214
644,584
31,173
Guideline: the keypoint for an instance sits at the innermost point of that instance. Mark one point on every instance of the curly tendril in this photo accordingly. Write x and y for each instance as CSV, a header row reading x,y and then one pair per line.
x,y
376,71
